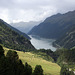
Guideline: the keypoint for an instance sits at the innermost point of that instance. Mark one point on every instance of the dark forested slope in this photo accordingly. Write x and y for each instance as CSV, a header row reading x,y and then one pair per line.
x,y
54,26
11,39
67,40
21,33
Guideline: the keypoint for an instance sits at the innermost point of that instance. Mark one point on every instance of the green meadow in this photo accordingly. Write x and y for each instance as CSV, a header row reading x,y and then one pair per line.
x,y
49,68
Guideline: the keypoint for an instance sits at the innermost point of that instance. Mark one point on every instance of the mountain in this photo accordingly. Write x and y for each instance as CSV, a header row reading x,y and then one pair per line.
x,y
55,26
21,33
67,40
12,39
25,26
66,56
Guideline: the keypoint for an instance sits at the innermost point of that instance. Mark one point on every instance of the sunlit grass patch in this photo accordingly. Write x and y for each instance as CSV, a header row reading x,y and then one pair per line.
x,y
34,59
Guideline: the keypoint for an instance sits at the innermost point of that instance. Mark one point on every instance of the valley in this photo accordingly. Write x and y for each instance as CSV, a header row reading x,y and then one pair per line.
x,y
35,53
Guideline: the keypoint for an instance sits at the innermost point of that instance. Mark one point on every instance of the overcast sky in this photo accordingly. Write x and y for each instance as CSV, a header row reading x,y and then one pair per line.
x,y
33,10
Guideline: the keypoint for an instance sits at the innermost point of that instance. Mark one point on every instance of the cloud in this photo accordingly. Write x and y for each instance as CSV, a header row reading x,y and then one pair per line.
x,y
33,10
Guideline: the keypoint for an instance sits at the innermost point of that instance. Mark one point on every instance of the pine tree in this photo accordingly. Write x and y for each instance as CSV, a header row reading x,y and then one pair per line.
x,y
1,51
38,70
27,69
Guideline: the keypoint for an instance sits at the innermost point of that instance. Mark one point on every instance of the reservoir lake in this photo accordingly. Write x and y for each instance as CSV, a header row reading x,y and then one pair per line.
x,y
42,43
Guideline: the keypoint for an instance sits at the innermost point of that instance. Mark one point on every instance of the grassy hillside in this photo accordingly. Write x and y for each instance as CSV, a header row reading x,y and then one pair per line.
x,y
34,59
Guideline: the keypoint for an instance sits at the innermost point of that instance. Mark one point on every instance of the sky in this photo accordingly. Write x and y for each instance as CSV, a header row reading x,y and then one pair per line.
x,y
33,10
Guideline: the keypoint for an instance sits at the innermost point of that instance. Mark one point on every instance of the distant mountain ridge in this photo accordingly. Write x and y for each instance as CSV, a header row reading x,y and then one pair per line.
x,y
54,26
25,27
12,39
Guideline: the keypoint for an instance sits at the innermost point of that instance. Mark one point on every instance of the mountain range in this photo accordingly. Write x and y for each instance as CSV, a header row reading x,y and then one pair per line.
x,y
25,27
59,27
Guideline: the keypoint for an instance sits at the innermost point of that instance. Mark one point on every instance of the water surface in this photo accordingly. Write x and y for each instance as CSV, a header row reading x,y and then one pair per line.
x,y
42,43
